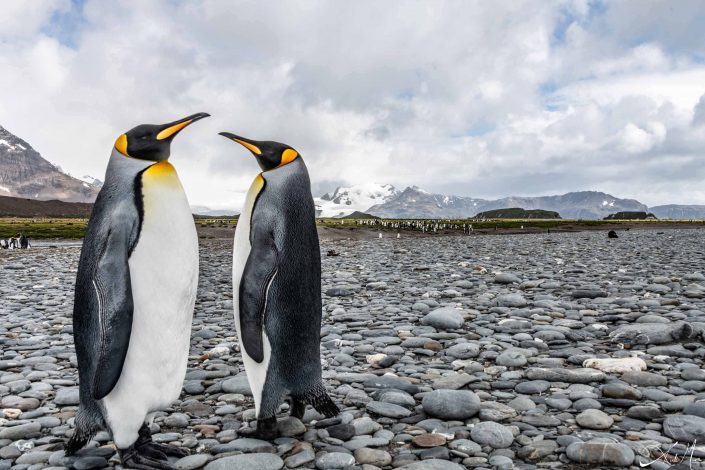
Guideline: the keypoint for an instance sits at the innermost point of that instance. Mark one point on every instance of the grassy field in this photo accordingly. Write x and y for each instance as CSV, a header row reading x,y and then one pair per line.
x,y
45,228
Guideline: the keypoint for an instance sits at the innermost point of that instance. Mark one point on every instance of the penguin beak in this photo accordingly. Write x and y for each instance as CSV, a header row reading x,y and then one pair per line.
x,y
173,128
247,143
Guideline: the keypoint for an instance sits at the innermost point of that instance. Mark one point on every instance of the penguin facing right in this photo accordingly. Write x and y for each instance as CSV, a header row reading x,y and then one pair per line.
x,y
134,297
277,287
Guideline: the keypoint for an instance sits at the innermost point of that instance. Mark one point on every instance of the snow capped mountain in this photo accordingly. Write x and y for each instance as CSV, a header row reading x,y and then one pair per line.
x,y
89,181
383,200
25,174
360,197
415,202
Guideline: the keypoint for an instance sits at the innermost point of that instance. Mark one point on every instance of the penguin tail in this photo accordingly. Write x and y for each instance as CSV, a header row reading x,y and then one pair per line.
x,y
83,433
77,441
322,402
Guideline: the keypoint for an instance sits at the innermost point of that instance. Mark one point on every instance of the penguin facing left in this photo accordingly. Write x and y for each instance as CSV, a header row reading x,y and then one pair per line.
x,y
277,287
134,296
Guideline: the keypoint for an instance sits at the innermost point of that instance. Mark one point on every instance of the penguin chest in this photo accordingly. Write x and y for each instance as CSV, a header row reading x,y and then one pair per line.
x,y
164,277
256,371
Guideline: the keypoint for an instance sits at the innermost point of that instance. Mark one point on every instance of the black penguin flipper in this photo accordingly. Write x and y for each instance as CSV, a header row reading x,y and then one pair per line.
x,y
113,290
260,270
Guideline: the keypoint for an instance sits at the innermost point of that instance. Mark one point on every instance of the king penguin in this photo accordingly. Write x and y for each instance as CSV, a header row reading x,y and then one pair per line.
x,y
134,297
277,287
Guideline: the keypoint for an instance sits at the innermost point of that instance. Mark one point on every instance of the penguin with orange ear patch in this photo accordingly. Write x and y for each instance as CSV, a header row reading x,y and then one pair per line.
x,y
277,287
135,293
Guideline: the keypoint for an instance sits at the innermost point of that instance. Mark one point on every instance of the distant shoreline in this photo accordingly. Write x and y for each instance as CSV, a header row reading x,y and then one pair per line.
x,y
333,229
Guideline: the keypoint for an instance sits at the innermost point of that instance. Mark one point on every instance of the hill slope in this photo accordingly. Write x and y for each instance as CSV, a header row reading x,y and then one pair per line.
x,y
678,211
24,173
19,207
518,213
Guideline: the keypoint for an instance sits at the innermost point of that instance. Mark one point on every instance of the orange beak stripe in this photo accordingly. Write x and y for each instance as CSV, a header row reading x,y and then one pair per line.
x,y
169,131
252,148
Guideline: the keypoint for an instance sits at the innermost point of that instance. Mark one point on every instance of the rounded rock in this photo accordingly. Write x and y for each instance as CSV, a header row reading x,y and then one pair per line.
x,y
451,404
444,319
594,419
495,435
603,453
247,462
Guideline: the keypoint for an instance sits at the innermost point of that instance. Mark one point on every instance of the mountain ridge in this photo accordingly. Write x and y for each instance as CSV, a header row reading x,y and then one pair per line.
x,y
345,200
24,173
415,203
679,211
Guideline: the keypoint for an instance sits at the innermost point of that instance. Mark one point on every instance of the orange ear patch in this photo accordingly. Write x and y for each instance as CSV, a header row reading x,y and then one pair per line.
x,y
121,145
288,156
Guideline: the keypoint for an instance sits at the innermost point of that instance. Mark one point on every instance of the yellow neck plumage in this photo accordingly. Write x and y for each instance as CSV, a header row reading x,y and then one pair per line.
x,y
161,173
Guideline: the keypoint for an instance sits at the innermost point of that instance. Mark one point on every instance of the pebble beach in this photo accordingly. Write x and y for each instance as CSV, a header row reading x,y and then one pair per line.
x,y
531,351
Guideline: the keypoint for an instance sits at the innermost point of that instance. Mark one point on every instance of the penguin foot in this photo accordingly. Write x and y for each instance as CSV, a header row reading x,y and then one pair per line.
x,y
267,429
298,408
132,458
153,449
147,447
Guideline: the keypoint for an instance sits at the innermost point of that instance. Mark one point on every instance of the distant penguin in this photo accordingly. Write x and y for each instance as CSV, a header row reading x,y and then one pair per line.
x,y
134,299
277,287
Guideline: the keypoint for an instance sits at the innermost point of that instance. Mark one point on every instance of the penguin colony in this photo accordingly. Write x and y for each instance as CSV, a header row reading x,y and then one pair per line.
x,y
136,289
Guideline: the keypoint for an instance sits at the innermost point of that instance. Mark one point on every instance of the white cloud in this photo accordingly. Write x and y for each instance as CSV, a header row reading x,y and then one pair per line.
x,y
453,96
22,19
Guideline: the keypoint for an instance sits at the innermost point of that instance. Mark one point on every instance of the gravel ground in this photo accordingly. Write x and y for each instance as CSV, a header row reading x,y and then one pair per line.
x,y
518,351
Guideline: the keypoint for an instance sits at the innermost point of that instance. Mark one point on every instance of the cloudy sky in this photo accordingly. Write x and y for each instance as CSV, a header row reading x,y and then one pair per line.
x,y
483,99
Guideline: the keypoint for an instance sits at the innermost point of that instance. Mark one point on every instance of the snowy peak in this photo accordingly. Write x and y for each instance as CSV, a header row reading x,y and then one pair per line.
x,y
346,200
91,181
24,173
415,202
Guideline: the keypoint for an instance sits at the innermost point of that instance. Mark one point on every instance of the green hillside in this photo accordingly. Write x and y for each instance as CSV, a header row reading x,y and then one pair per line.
x,y
518,213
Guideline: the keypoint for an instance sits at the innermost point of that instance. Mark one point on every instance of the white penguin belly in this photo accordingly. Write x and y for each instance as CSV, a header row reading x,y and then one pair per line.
x,y
164,279
256,371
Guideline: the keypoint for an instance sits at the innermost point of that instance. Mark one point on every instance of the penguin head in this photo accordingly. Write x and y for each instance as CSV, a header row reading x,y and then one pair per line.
x,y
269,155
153,141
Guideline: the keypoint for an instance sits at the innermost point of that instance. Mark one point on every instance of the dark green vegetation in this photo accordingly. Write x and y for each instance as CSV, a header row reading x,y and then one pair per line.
x,y
43,228
518,213
631,216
